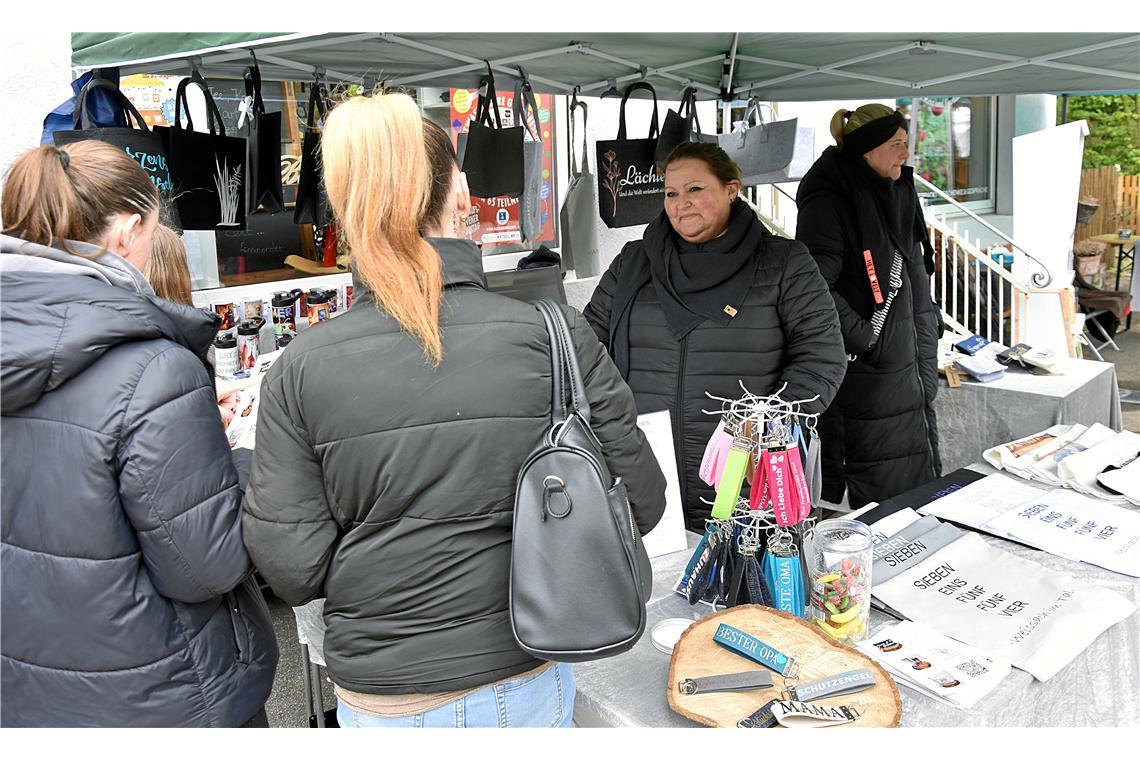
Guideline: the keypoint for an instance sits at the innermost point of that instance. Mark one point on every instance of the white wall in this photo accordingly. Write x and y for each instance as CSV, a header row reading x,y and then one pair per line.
x,y
34,78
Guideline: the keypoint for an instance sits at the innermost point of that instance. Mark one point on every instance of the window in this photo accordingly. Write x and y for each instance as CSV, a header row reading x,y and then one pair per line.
x,y
954,141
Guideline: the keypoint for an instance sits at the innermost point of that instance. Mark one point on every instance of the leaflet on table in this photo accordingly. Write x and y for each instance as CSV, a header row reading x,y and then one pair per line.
x,y
1068,524
921,657
984,369
242,430
1009,607
1124,480
978,503
1080,470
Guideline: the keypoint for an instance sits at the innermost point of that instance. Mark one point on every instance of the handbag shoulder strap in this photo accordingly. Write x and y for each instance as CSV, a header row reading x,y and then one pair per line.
x,y
82,119
317,108
488,99
569,362
524,102
252,79
557,392
585,137
625,97
213,115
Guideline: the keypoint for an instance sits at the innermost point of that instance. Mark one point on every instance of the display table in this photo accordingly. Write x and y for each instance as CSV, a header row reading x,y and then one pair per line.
x,y
1101,687
976,416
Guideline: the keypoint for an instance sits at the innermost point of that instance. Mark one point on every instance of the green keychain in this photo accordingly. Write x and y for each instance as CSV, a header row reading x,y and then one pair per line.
x,y
728,494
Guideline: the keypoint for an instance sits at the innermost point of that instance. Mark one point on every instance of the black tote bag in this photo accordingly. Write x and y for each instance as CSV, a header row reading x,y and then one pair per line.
x,y
141,144
530,200
630,189
208,168
492,157
312,206
263,141
680,126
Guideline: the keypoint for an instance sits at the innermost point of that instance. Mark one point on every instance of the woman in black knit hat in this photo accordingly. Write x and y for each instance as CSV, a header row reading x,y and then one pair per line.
x,y
859,216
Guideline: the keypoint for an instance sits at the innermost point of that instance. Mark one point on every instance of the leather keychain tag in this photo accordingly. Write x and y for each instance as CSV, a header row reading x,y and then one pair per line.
x,y
747,681
715,450
779,486
762,718
752,648
814,470
792,714
842,684
758,492
728,492
799,483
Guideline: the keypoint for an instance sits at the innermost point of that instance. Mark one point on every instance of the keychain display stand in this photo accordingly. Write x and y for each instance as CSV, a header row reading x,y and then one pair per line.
x,y
696,655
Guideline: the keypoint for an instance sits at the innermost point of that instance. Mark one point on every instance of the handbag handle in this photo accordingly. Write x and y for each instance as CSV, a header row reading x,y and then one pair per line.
x,y
252,79
524,100
82,119
625,97
213,115
575,103
689,109
317,108
488,99
567,366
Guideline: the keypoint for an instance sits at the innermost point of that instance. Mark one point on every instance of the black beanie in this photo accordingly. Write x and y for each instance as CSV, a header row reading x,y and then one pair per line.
x,y
873,134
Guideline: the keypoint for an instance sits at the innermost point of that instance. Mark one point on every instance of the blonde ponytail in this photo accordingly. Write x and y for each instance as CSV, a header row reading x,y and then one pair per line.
x,y
845,122
378,179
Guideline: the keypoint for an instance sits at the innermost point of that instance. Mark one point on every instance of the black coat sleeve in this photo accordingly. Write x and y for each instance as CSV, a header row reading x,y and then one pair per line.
x,y
290,529
816,360
597,311
614,421
821,228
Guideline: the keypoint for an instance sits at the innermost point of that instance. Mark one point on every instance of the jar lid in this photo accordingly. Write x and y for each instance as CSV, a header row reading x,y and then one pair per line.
x,y
666,633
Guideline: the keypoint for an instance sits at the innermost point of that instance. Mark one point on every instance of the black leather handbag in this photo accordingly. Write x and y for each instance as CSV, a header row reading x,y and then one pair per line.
x,y
580,576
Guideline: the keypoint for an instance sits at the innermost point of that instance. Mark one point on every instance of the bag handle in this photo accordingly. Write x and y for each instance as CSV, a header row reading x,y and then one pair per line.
x,y
575,103
688,110
560,334
625,97
525,100
317,108
557,397
213,115
252,78
82,120
488,99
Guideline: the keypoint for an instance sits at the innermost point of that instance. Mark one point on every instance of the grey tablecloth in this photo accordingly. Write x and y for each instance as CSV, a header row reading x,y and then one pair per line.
x,y
1101,687
976,416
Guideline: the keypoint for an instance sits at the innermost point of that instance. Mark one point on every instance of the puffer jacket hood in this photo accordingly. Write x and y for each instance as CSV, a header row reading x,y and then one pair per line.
x,y
57,324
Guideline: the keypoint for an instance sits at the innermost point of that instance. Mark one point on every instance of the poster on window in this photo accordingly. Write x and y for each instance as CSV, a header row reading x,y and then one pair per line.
x,y
497,228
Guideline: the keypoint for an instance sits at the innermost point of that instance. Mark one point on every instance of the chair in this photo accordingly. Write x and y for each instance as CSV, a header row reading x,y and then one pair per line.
x,y
1104,310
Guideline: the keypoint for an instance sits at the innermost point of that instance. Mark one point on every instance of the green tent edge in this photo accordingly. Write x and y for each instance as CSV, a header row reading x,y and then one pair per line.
x,y
91,49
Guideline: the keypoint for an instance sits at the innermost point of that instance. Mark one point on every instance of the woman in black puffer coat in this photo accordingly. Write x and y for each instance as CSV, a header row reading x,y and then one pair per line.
x,y
128,597
708,299
857,208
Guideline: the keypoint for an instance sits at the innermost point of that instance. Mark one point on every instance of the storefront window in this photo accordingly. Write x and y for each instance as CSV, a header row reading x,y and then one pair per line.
x,y
953,146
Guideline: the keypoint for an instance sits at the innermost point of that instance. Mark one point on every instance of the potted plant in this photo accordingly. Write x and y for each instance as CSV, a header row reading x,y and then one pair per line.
x,y
1087,255
1086,208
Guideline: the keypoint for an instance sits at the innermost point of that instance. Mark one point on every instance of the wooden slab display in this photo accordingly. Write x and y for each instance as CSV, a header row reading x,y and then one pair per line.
x,y
818,655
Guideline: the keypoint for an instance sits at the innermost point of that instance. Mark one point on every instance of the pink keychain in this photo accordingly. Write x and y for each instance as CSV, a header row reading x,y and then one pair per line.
x,y
784,507
758,493
716,451
799,482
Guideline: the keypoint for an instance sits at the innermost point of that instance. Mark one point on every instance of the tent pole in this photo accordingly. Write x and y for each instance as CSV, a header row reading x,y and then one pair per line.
x,y
1065,108
830,68
307,68
322,41
726,91
663,73
561,86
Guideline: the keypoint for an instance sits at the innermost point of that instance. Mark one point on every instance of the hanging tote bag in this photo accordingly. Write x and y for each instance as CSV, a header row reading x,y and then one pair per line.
x,y
579,216
312,206
141,144
208,168
104,111
580,576
491,156
680,126
780,151
530,200
630,190
263,141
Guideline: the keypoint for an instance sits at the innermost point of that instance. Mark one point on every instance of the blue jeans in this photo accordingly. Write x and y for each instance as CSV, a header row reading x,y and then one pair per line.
x,y
545,700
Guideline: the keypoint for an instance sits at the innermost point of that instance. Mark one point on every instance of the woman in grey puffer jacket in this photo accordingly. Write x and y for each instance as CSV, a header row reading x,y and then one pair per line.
x,y
128,597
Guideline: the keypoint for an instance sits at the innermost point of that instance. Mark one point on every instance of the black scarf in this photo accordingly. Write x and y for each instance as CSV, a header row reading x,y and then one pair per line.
x,y
694,281
888,213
